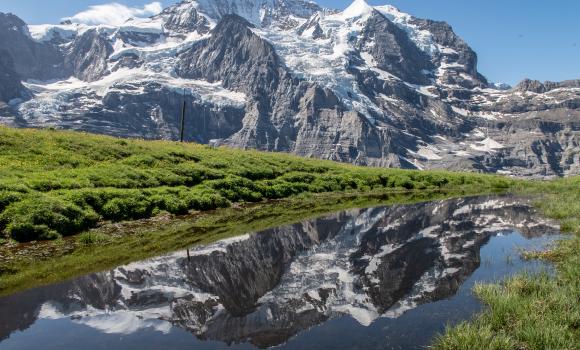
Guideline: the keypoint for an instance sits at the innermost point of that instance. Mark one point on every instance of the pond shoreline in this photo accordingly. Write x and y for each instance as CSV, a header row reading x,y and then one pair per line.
x,y
531,311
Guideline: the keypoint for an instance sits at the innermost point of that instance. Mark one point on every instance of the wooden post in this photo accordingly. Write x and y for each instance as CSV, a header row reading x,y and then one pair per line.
x,y
182,129
188,256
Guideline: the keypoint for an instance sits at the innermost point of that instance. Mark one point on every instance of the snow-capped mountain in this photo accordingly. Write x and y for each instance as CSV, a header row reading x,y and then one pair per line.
x,y
368,85
263,288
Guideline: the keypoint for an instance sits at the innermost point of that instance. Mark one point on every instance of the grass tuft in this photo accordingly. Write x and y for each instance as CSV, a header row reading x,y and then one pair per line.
x,y
89,238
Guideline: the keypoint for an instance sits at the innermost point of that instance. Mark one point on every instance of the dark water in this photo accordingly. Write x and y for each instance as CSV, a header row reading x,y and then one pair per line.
x,y
378,278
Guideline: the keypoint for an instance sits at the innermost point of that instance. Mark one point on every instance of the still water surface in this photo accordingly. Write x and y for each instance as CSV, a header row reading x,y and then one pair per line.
x,y
375,278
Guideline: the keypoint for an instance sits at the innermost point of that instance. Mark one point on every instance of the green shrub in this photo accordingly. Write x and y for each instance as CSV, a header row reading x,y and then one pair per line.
x,y
430,180
170,202
372,181
45,217
502,184
179,157
204,199
26,232
256,171
47,183
131,207
6,198
216,163
206,202
401,181
236,188
334,183
13,185
139,160
326,184
281,189
196,173
89,197
122,177
293,177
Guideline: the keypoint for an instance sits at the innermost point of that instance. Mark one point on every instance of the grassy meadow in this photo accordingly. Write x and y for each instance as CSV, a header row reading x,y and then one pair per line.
x,y
73,203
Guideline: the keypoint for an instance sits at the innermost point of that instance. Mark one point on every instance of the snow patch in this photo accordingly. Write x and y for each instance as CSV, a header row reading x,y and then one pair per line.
x,y
428,232
114,14
460,111
48,32
358,9
141,25
487,145
117,81
124,323
427,153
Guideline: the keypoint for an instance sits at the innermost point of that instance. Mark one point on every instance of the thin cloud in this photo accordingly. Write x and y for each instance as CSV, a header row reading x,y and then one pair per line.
x,y
114,13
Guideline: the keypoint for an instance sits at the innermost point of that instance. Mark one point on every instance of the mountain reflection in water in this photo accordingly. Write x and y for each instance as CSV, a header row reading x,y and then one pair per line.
x,y
263,288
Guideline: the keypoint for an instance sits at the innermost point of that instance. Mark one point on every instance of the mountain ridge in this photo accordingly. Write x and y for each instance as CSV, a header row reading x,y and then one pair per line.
x,y
369,85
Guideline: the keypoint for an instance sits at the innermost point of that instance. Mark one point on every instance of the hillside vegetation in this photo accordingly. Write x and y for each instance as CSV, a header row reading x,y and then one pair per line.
x,y
57,183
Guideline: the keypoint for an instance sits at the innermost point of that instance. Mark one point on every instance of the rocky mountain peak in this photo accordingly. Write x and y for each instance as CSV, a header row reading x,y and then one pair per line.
x,y
531,85
358,9
31,59
184,18
11,22
231,23
257,12
391,48
539,87
89,55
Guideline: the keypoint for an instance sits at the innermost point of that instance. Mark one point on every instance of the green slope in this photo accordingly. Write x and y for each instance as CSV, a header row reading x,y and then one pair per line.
x,y
55,183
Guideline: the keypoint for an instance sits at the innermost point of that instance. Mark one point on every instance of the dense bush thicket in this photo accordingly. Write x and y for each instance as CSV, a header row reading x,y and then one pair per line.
x,y
55,183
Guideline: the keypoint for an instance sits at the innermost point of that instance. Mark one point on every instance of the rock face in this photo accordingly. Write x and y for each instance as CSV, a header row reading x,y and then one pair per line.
x,y
10,85
456,50
368,85
393,51
88,56
263,288
32,60
184,19
540,88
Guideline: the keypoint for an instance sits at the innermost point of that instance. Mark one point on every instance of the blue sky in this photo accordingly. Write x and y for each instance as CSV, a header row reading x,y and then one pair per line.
x,y
513,38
